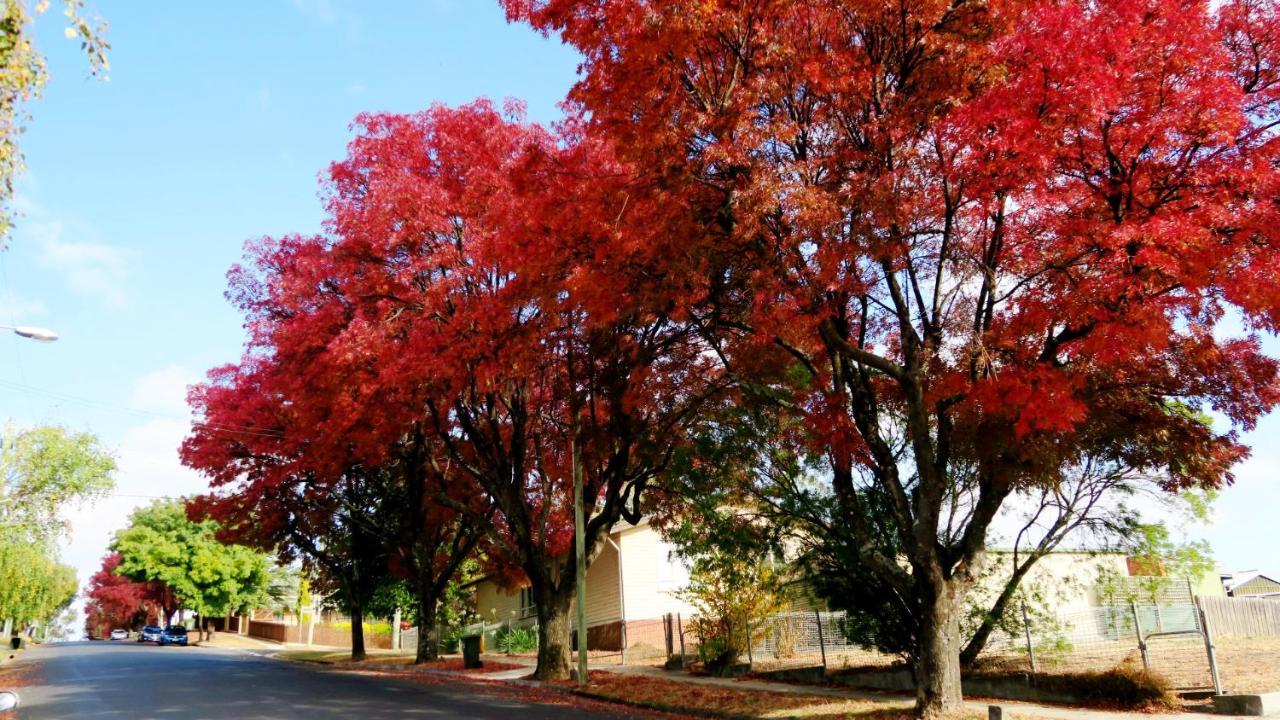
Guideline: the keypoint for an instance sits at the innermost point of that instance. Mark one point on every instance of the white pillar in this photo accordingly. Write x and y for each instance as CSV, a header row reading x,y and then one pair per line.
x,y
311,623
395,630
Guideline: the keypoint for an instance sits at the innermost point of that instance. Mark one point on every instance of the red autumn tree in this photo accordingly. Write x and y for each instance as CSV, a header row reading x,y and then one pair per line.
x,y
301,460
464,237
985,236
115,601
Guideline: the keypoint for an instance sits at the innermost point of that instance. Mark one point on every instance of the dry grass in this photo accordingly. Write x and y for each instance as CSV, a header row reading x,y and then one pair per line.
x,y
702,700
1249,665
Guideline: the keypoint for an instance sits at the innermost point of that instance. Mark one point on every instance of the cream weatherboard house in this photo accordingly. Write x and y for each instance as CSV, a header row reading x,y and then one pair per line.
x,y
631,585
636,579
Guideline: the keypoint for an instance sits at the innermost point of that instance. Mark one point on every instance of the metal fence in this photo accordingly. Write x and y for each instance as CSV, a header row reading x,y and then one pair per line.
x,y
1182,641
1171,640
1175,641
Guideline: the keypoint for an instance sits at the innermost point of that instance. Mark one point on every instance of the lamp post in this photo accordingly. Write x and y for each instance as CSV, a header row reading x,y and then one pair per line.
x,y
38,334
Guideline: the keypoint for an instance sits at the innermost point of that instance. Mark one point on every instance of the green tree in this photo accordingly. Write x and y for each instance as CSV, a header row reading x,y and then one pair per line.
x,y
43,470
34,586
23,75
209,577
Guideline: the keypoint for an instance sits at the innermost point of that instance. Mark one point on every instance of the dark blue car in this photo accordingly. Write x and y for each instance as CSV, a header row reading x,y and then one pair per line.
x,y
174,635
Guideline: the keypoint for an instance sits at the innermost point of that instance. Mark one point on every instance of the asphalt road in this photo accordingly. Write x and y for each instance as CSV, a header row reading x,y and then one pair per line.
x,y
127,680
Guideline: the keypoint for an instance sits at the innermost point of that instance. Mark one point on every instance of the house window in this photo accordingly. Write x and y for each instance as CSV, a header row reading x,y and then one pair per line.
x,y
527,606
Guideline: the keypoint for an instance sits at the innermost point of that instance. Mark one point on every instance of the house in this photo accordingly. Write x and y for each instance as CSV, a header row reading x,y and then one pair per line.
x,y
1250,583
631,586
635,580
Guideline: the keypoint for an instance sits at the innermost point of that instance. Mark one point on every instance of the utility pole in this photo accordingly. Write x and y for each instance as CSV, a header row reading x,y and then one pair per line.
x,y
580,545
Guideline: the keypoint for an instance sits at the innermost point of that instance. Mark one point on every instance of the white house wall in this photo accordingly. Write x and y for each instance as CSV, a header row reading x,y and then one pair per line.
x,y
651,574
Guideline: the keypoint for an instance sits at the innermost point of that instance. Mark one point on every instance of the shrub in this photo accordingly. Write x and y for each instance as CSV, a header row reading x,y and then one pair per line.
x,y
370,628
516,639
1125,687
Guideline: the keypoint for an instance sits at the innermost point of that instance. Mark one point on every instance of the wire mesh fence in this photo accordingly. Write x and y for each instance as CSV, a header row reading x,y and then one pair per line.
x,y
798,639
1169,640
1165,639
1173,640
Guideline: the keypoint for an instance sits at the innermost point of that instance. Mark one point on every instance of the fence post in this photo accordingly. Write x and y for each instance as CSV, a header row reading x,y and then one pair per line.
x,y
822,645
680,631
1026,629
1208,648
1142,644
750,660
668,627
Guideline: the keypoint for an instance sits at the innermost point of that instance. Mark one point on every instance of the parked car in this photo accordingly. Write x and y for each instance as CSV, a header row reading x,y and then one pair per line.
x,y
150,633
119,634
173,635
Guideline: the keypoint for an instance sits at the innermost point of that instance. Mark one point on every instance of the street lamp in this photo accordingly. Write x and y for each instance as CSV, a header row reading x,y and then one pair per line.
x,y
38,334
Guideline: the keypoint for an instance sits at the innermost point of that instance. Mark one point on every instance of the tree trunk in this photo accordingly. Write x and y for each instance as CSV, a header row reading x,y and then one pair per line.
x,y
937,661
357,632
428,643
553,634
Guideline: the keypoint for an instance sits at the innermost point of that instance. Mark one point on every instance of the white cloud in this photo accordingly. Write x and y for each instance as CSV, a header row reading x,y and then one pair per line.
x,y
164,391
89,268
264,98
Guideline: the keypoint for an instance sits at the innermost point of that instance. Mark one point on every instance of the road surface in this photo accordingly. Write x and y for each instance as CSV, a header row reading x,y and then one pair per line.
x,y
128,681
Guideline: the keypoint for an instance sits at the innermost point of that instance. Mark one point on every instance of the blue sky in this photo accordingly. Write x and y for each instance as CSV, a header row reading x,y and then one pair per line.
x,y
212,129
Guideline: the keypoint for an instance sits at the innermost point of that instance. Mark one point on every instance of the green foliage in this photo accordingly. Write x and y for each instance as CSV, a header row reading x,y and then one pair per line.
x,y
370,628
33,586
390,595
511,639
457,608
208,576
730,592
43,470
1160,561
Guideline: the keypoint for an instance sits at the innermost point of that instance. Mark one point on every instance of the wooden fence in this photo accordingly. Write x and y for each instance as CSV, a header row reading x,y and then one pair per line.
x,y
336,635
1242,617
269,630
